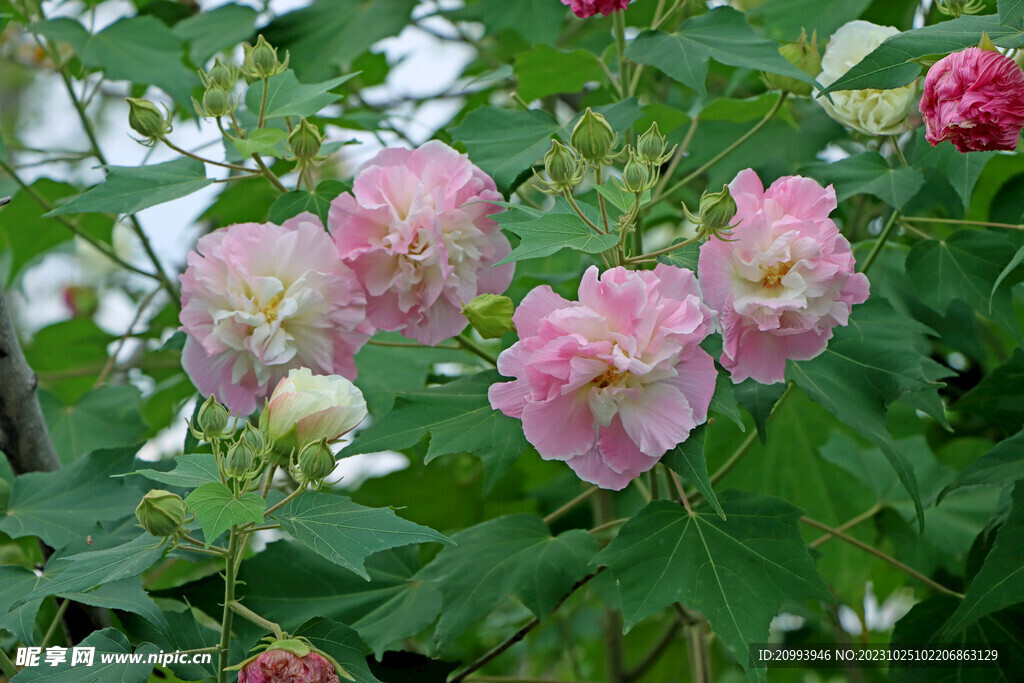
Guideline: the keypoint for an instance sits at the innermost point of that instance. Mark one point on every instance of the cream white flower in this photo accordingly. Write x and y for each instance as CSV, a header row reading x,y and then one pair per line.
x,y
870,111
314,406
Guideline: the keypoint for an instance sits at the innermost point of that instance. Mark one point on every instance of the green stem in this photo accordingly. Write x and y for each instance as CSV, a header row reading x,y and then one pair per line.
x,y
53,624
661,252
560,512
659,191
6,665
263,105
867,514
600,198
228,614
619,23
268,480
222,164
899,152
739,141
246,613
411,345
274,180
287,499
877,249
957,221
579,212
471,346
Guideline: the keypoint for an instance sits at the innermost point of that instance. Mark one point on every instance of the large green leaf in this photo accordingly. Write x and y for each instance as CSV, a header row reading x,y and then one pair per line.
x,y
346,533
1000,582
921,627
126,595
1011,13
341,643
458,417
546,71
317,202
736,572
759,400
108,641
784,19
687,459
210,32
67,345
287,97
84,571
128,189
138,49
1000,466
16,581
505,142
386,371
722,34
288,584
217,509
50,505
538,21
106,417
330,34
190,471
966,266
869,173
870,363
183,631
996,398
961,169
511,555
892,64
544,233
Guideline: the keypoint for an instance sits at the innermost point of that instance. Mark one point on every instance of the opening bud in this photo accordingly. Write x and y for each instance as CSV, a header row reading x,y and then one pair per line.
x,y
563,167
490,315
212,420
593,137
161,513
272,657
261,60
147,120
316,461
717,209
651,146
305,141
804,56
957,8
637,176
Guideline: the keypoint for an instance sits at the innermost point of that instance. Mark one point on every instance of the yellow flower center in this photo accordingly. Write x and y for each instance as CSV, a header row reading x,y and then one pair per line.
x,y
610,377
773,274
269,309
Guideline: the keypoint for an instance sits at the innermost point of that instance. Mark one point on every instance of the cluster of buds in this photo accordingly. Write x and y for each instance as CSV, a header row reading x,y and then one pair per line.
x,y
245,457
261,61
218,96
591,145
804,56
714,219
163,514
146,119
957,8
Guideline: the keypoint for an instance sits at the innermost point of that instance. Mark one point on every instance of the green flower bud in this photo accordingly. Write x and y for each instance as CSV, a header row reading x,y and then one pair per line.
x,y
490,315
254,439
212,420
147,120
261,60
957,8
802,55
216,102
316,461
563,167
220,75
161,513
238,460
593,137
305,140
717,209
636,174
651,146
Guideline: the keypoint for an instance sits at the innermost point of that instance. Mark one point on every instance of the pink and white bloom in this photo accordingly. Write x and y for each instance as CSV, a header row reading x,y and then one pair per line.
x,y
975,99
588,8
259,299
613,381
784,281
283,666
417,234
315,406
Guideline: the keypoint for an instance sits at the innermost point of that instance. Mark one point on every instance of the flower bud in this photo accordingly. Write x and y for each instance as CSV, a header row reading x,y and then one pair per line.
x,y
563,167
254,439
651,146
306,408
305,140
592,137
238,460
287,660
957,8
212,419
636,175
316,461
220,75
802,55
261,60
161,513
147,120
717,209
490,315
217,102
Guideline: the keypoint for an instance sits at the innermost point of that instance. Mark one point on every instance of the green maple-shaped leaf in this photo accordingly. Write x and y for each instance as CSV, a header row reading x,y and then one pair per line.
x,y
869,173
347,533
217,509
109,641
736,572
190,471
514,555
